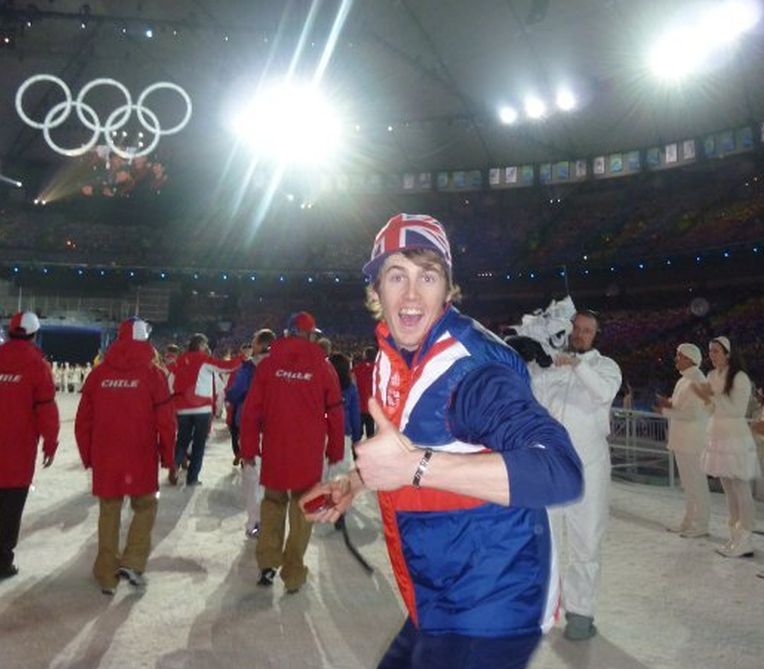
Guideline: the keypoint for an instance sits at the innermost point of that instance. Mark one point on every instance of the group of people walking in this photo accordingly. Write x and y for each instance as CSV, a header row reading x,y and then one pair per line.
x,y
486,465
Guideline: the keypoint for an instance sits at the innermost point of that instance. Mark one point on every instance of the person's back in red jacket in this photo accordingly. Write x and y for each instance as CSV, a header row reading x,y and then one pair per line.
x,y
194,392
28,409
364,378
125,427
295,402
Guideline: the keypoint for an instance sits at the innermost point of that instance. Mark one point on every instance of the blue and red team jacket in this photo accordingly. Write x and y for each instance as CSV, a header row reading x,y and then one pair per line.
x,y
463,565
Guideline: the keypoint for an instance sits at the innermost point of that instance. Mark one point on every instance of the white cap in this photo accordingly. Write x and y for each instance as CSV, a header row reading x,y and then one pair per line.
x,y
24,323
724,342
690,351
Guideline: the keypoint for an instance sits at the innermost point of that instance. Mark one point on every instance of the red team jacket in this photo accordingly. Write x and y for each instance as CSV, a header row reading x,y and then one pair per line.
x,y
28,411
194,380
295,402
125,421
363,372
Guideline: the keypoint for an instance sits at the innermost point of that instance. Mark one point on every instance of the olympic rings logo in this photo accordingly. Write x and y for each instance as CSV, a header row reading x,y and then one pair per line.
x,y
60,112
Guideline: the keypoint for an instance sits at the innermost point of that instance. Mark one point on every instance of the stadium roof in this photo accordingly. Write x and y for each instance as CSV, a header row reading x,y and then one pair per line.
x,y
436,71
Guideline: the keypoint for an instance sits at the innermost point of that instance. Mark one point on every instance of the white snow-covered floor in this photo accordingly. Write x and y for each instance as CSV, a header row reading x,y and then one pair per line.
x,y
666,602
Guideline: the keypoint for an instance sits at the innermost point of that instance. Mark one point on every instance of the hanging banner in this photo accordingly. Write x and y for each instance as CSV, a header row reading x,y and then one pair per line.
x,y
510,174
709,146
494,176
616,163
688,149
580,169
744,138
671,154
599,165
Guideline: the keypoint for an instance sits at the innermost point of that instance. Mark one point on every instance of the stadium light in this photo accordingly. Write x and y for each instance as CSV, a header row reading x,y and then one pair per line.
x,y
678,54
725,22
290,123
688,49
508,115
566,101
534,107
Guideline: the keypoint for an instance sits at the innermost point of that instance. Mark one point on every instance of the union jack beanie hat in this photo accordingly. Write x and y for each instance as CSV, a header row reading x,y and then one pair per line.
x,y
24,323
408,231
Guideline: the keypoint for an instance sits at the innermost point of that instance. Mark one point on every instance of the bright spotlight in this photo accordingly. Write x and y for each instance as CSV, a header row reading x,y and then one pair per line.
x,y
534,107
508,115
688,49
725,22
565,100
290,123
677,54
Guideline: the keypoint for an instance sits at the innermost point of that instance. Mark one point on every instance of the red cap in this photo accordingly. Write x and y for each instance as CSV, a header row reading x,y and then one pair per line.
x,y
302,321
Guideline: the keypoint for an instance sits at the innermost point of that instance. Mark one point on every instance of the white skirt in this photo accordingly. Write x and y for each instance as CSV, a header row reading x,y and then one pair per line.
x,y
731,451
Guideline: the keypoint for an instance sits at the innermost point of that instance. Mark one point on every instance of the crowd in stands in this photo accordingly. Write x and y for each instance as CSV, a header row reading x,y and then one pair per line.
x,y
680,211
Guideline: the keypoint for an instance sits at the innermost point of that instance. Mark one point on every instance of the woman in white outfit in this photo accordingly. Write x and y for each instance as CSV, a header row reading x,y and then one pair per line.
x,y
731,451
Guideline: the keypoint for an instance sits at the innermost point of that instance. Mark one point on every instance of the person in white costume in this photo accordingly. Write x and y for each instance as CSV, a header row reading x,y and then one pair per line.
x,y
688,422
731,451
578,391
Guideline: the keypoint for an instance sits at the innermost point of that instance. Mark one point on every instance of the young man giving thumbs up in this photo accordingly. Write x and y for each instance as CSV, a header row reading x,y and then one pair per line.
x,y
465,463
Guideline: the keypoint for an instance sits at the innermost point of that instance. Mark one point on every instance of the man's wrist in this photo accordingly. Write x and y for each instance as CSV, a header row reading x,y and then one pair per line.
x,y
356,482
422,466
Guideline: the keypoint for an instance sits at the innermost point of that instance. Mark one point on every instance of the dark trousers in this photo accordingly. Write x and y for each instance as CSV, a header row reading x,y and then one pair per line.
x,y
234,437
367,424
192,429
413,649
12,501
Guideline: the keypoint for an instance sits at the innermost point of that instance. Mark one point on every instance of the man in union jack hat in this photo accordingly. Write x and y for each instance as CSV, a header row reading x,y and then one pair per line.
x,y
465,463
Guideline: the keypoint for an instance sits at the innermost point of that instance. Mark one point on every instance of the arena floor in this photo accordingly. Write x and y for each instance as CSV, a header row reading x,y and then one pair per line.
x,y
666,602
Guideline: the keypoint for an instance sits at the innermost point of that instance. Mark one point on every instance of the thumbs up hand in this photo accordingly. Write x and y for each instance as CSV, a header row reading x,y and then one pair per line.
x,y
388,460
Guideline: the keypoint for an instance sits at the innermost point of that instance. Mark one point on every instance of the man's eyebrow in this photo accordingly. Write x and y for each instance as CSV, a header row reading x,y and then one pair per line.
x,y
390,268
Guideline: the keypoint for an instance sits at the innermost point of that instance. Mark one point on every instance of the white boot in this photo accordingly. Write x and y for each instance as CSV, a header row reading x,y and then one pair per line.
x,y
741,545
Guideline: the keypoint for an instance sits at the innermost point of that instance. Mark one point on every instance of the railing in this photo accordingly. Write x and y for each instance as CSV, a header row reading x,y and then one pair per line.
x,y
638,445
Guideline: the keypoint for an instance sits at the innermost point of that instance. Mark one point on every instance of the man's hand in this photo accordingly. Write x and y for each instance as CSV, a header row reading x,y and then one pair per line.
x,y
343,490
566,359
758,427
388,460
47,460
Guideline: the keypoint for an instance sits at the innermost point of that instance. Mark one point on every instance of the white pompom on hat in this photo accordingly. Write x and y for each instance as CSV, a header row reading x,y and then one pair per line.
x,y
690,351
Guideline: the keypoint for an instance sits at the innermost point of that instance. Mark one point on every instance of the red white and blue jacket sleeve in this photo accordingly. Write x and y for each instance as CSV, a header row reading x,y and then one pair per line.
x,y
494,406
